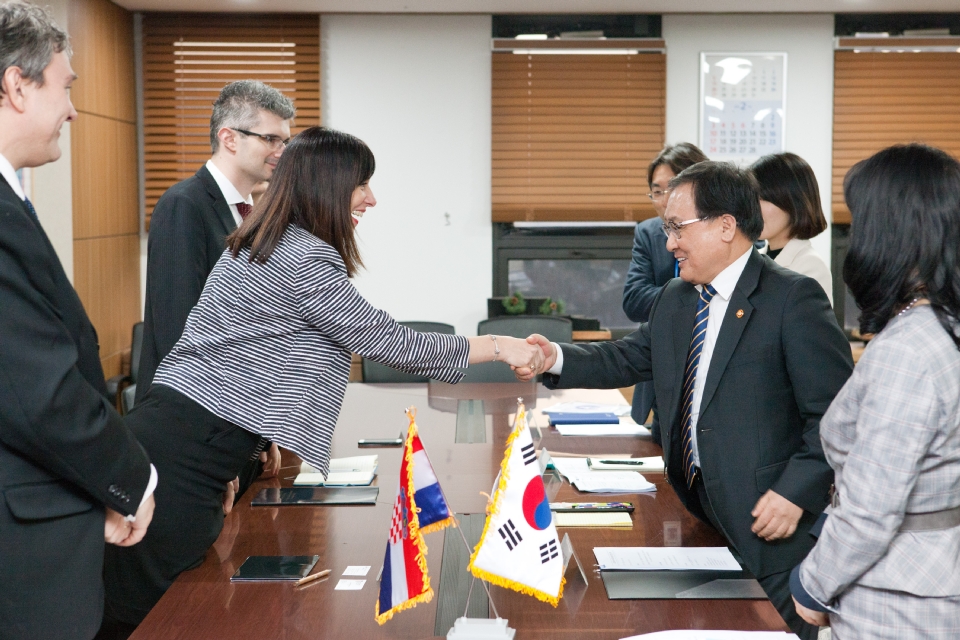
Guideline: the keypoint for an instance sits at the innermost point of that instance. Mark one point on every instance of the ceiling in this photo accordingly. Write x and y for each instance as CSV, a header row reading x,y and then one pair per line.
x,y
545,6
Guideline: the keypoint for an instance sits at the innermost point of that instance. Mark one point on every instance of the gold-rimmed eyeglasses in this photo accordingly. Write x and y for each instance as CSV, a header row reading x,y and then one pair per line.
x,y
674,228
658,194
273,142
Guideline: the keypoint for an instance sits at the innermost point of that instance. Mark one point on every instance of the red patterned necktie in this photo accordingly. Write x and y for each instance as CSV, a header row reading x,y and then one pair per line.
x,y
244,210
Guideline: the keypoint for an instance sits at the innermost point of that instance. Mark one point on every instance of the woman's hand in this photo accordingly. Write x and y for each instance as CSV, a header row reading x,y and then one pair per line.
x,y
816,618
549,358
520,354
271,461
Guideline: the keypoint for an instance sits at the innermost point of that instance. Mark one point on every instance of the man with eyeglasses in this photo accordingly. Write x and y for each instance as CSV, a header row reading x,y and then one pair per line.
x,y
249,129
746,356
652,265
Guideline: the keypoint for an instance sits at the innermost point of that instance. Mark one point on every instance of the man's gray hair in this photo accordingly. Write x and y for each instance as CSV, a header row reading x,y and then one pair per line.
x,y
28,39
239,105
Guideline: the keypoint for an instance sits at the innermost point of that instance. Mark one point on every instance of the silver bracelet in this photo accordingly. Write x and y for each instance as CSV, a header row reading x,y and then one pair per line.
x,y
496,347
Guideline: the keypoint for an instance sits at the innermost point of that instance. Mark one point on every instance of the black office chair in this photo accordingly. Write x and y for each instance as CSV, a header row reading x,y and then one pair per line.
x,y
553,328
125,386
376,372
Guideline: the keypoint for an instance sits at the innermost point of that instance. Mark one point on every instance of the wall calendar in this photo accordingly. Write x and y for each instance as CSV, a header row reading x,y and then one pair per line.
x,y
743,99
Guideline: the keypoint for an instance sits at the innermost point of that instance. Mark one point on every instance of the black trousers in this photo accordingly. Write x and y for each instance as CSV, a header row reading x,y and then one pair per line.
x,y
196,454
776,586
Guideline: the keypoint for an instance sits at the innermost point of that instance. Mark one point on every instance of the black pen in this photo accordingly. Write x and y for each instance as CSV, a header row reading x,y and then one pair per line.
x,y
622,461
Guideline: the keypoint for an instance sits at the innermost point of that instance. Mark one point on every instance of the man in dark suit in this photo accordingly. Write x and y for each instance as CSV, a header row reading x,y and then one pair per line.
x,y
745,357
71,474
652,266
249,128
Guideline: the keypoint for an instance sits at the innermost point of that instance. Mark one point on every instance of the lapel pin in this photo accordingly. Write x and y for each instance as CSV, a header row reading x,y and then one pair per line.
x,y
739,313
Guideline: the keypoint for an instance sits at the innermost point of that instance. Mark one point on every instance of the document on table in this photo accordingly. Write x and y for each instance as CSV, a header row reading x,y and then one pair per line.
x,y
353,471
627,427
613,482
588,407
617,519
575,467
665,559
700,634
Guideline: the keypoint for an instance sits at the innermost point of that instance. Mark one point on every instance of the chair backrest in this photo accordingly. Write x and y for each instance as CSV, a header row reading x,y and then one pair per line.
x,y
127,397
551,327
376,372
136,346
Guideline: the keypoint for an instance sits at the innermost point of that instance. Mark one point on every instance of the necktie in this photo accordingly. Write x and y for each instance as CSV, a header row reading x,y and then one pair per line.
x,y
244,210
33,212
690,378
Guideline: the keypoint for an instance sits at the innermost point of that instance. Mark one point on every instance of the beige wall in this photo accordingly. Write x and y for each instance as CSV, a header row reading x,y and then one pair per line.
x,y
106,219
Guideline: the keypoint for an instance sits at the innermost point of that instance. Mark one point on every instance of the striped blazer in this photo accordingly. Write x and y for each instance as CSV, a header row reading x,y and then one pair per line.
x,y
268,345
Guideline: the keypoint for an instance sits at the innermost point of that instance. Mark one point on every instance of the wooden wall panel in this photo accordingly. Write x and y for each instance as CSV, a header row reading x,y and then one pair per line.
x,y
882,99
573,135
106,217
107,278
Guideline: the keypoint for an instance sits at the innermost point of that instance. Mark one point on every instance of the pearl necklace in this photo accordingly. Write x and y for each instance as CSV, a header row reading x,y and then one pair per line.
x,y
910,305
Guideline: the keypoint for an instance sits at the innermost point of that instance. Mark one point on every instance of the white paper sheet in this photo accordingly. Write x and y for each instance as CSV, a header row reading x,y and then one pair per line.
x,y
613,482
627,427
588,407
700,634
665,558
356,570
349,585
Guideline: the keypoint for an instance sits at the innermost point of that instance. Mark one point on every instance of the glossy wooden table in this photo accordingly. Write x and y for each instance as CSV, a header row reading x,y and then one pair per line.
x,y
203,604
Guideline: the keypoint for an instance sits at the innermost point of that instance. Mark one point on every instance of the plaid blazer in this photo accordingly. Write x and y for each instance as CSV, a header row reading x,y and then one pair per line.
x,y
892,438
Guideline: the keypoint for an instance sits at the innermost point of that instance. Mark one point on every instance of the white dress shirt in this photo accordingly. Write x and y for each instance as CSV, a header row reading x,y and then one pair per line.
x,y
724,284
229,191
10,175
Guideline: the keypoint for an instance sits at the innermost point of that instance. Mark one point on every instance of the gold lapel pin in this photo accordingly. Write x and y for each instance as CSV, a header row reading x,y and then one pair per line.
x,y
739,313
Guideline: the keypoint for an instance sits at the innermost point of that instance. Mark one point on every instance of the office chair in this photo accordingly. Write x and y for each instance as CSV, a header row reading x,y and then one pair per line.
x,y
124,387
376,372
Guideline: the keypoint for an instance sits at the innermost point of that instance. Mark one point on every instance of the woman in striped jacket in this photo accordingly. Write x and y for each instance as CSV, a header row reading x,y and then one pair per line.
x,y
265,355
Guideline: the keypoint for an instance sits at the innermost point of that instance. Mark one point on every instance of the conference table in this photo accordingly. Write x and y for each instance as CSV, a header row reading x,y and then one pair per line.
x,y
204,604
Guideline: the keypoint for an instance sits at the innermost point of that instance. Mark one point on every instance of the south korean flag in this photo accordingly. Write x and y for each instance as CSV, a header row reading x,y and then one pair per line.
x,y
519,548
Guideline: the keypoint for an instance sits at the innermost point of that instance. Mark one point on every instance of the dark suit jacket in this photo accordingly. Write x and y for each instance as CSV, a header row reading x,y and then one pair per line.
x,y
651,267
188,230
64,451
774,371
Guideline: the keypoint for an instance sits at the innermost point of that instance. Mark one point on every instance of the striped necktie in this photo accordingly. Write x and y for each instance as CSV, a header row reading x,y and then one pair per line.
x,y
33,212
690,379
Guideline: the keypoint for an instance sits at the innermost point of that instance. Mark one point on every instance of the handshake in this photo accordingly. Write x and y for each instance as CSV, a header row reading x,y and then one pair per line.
x,y
527,357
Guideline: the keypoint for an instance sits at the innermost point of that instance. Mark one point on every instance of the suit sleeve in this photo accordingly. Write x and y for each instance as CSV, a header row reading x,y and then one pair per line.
x,y
177,267
328,301
641,288
49,413
819,362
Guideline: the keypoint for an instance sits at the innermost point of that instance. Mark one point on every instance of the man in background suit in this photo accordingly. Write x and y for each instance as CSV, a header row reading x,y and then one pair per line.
x,y
249,129
652,266
745,357
71,474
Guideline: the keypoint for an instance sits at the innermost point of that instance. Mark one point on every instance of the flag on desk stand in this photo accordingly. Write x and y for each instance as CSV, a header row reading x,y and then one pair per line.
x,y
419,508
519,548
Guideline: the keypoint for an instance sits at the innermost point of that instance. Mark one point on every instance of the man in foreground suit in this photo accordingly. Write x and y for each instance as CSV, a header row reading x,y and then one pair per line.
x,y
70,471
249,128
745,357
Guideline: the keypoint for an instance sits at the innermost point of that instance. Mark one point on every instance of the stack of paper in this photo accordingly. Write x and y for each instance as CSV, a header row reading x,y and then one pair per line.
x,y
666,558
612,482
619,519
575,468
357,471
625,427
588,407
699,634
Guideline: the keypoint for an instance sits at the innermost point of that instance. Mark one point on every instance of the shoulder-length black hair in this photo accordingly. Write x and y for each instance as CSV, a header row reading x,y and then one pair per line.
x,y
311,187
787,181
905,236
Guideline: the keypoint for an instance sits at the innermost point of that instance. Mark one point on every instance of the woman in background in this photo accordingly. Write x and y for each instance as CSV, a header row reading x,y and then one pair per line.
x,y
790,203
266,355
885,565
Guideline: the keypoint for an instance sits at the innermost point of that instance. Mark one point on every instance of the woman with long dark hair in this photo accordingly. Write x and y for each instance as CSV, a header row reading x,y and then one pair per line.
x,y
886,562
792,214
265,355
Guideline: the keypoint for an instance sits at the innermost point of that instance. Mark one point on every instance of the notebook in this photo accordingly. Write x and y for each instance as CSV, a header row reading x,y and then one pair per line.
x,y
315,496
357,471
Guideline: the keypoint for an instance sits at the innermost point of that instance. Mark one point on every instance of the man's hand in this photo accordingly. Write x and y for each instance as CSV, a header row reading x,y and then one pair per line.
x,y
271,461
776,517
123,533
549,358
230,494
816,618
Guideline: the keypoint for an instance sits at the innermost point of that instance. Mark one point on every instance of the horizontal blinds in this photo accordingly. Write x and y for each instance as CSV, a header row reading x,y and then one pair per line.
x,y
573,135
187,60
881,99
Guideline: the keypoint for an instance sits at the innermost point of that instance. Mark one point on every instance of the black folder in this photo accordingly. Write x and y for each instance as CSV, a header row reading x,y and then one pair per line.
x,y
315,496
261,568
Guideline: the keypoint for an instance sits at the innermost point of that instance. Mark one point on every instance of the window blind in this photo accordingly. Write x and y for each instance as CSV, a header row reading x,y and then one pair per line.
x,y
187,60
892,92
573,132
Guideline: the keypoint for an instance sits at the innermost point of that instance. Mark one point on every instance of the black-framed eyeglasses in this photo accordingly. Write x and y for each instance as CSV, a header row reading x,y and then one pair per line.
x,y
658,194
674,228
273,142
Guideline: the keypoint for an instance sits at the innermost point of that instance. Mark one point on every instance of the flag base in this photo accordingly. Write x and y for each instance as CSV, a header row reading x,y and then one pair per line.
x,y
480,629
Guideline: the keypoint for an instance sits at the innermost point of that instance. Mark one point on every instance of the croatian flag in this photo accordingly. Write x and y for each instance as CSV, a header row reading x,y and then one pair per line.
x,y
404,581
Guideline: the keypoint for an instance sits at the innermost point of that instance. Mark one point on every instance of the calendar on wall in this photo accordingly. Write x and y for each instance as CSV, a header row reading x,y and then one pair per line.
x,y
743,99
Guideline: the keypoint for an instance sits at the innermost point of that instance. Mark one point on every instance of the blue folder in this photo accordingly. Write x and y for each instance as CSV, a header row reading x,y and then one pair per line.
x,y
584,418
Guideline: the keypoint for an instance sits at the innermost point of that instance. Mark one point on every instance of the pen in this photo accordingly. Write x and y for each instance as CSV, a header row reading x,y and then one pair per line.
x,y
311,578
622,461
